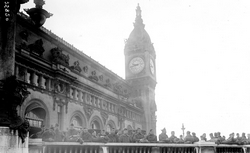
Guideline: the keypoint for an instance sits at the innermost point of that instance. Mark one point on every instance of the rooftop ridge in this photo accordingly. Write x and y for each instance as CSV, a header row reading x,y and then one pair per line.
x,y
53,35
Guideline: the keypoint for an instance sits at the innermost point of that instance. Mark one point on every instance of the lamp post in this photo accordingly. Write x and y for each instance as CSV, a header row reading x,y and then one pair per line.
x,y
12,92
183,129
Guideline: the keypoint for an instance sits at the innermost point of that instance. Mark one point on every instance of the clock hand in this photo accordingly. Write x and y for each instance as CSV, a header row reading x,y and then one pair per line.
x,y
134,65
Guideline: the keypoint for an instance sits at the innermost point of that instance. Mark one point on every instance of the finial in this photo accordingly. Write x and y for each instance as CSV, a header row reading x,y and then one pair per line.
x,y
138,19
138,10
39,3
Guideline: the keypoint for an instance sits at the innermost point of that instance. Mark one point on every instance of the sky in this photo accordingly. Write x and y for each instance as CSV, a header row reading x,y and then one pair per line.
x,y
202,54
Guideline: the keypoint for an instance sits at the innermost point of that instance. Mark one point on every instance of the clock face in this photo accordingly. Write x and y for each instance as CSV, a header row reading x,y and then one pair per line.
x,y
136,65
152,66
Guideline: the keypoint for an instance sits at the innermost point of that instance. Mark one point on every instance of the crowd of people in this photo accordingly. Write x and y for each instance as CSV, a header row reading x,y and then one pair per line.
x,y
214,137
83,135
138,136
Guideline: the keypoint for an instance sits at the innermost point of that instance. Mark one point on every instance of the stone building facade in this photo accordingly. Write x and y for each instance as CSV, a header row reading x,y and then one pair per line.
x,y
67,86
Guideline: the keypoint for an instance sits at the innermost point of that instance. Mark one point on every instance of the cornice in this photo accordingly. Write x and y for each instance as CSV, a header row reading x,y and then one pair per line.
x,y
47,34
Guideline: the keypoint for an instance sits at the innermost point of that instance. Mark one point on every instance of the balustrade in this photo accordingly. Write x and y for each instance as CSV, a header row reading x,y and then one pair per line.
x,y
80,96
247,149
48,83
74,147
76,94
71,93
234,149
41,81
33,77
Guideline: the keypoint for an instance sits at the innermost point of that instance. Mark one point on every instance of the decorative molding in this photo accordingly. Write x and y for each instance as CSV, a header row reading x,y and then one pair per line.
x,y
87,98
118,88
37,47
76,67
58,57
104,117
59,87
101,77
93,76
121,119
88,111
108,84
85,69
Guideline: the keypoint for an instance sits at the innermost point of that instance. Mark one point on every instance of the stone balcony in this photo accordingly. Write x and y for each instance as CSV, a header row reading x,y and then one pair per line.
x,y
90,147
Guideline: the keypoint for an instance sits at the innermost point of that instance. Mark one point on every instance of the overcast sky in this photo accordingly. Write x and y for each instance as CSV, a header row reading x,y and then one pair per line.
x,y
202,54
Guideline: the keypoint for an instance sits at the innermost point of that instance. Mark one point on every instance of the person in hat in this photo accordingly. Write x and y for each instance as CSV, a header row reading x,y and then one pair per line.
x,y
163,136
124,137
151,137
59,136
138,135
203,137
172,137
112,136
85,136
195,138
188,139
72,134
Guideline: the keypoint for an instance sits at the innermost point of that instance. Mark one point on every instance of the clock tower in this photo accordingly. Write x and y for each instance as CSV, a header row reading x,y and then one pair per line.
x,y
140,70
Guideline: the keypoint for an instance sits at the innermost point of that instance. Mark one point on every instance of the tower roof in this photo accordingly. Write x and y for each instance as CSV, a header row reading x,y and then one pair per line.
x,y
139,39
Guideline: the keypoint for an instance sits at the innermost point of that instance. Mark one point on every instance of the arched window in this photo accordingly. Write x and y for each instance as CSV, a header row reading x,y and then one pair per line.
x,y
109,127
95,125
76,120
36,117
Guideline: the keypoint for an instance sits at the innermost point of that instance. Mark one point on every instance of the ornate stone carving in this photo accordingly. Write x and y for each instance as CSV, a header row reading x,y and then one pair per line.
x,y
118,88
88,111
137,102
59,87
85,69
12,94
87,98
58,57
24,40
93,76
37,47
104,117
59,101
104,105
76,67
120,119
101,77
108,84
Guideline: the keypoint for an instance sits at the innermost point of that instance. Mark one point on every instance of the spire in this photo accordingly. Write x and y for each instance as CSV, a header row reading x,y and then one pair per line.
x,y
138,19
138,10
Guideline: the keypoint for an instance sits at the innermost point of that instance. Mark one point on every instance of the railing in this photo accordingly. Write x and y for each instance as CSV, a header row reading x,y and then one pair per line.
x,y
90,147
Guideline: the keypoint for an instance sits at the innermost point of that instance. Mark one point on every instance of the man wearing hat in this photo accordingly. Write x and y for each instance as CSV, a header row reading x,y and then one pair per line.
x,y
125,138
138,135
163,136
